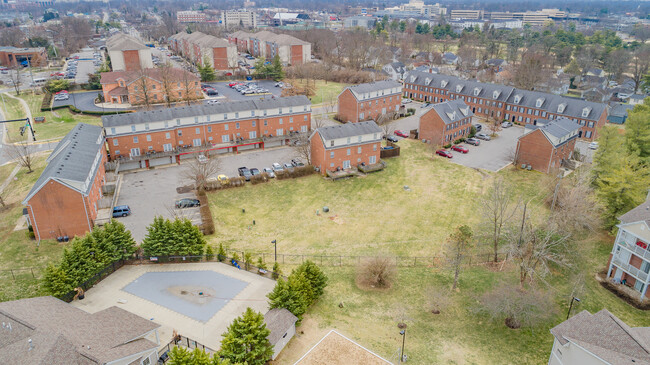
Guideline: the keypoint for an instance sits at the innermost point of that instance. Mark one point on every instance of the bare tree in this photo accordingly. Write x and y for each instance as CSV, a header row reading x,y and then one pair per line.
x,y
531,71
458,246
493,124
168,83
377,272
516,307
302,147
640,65
12,36
143,91
14,77
385,122
573,207
616,63
191,86
498,207
200,170
23,153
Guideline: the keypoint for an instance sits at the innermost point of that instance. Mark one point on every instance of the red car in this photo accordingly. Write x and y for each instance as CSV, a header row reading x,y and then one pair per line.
x,y
61,92
401,134
460,148
444,153
233,84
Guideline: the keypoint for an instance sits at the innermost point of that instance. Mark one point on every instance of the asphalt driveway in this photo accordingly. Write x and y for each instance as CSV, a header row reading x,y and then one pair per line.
x,y
234,95
84,101
491,155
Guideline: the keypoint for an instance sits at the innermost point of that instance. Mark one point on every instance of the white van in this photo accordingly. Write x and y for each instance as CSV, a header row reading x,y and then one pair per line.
x,y
38,82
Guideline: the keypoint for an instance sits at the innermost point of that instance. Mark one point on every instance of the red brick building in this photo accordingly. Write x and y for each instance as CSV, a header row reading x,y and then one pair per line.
x,y
369,101
265,44
346,145
150,86
159,136
446,122
63,201
13,56
506,103
199,47
548,144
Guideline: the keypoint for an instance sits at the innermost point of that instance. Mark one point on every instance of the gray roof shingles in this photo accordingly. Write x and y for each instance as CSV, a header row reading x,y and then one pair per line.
x,y
198,110
557,128
278,321
639,214
457,108
348,130
375,86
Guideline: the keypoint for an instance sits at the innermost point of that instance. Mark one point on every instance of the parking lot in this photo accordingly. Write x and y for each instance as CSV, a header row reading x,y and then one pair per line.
x,y
491,155
233,95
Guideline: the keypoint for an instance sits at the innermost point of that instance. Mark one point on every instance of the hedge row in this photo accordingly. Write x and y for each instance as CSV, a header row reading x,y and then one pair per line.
x,y
47,99
261,178
207,221
91,112
296,172
233,183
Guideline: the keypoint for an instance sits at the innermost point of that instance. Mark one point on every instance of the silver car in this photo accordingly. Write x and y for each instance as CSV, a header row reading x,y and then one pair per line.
x,y
483,136
269,172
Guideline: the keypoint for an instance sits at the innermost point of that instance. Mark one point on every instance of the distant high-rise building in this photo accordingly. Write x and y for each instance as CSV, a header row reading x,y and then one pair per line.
x,y
190,16
467,14
239,18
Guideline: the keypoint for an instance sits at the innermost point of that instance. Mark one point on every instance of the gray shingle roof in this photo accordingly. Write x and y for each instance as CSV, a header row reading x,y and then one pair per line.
x,y
71,161
63,334
452,111
557,128
638,214
348,130
278,321
550,102
374,86
198,110
605,336
621,110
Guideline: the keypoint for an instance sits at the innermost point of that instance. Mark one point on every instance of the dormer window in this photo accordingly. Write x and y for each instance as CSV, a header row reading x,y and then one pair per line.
x,y
427,81
539,102
459,88
585,112
443,83
413,79
476,91
560,108
495,94
465,111
517,99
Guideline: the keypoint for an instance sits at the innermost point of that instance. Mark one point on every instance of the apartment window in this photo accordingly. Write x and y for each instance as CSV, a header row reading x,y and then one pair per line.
x,y
252,135
346,164
166,124
225,116
645,267
236,115
590,124
207,118
178,84
225,138
588,134
135,139
196,119
331,143
180,94
132,128
359,149
196,142
303,128
290,119
168,135
361,116
266,122
253,123
178,122
253,113
180,142
115,142
304,117
135,152
332,154
279,132
117,152
210,129
372,159
225,127
332,164
349,152
374,147
280,121
280,111
148,137
180,132
638,285
236,125
264,113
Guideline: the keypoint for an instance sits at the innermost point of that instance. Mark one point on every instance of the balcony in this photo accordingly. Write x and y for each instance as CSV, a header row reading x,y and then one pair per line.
x,y
640,275
639,251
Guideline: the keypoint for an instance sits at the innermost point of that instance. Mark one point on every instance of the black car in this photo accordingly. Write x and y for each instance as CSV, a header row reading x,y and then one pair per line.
x,y
255,171
245,172
297,163
391,138
187,203
211,92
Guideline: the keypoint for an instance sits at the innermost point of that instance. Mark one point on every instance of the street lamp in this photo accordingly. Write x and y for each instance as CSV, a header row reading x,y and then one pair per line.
x,y
275,244
571,306
403,333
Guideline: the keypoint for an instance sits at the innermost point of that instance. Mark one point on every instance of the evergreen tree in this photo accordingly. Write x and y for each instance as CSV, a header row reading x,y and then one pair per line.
x,y
180,356
275,70
288,297
209,253
299,284
121,241
637,131
206,70
179,237
315,276
221,254
277,272
56,281
246,340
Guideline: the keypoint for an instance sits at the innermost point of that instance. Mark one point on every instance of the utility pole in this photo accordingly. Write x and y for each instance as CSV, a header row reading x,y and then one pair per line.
x,y
557,187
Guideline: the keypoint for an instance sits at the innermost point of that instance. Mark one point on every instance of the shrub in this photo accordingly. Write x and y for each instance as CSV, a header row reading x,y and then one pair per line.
x,y
297,172
209,253
516,307
261,178
472,132
261,264
221,254
460,140
411,111
55,86
276,271
376,272
448,145
235,256
47,99
247,260
177,237
315,276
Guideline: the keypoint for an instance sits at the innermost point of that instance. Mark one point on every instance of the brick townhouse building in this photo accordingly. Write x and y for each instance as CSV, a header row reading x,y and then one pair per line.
x,y
199,47
228,127
63,201
150,86
445,122
191,16
506,103
265,44
346,145
369,101
548,144
128,53
629,261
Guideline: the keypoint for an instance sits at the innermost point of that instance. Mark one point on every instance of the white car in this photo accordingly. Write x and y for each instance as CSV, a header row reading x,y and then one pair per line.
x,y
483,136
202,159
277,167
506,125
593,145
212,102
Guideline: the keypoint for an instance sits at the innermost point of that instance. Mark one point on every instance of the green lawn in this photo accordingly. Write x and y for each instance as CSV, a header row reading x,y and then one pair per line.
x,y
58,122
375,215
327,91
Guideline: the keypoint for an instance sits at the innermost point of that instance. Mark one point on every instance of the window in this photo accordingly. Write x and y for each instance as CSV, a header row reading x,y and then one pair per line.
x,y
207,118
236,115
303,129
588,134
253,113
225,116
132,128
645,267
180,142
225,127
148,137
252,135
331,143
178,122
135,139
361,116
115,142
332,154
280,111
359,149
117,152
590,124
346,164
280,121
372,159
349,152
196,119
349,140
638,285
279,132
180,94
180,132
196,142
290,119
225,138
135,152
210,129
167,147
236,125
266,122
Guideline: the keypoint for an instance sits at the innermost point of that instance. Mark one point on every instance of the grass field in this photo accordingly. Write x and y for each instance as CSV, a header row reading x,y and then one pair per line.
x,y
58,122
326,91
375,215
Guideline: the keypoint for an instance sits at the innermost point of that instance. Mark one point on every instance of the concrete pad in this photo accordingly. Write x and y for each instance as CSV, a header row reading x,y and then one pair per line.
x,y
109,292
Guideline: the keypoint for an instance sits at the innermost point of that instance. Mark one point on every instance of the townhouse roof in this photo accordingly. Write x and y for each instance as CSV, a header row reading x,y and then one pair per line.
x,y
74,161
560,129
620,110
278,321
348,130
639,214
63,334
448,56
549,102
266,36
240,34
605,336
495,62
451,111
124,42
397,66
201,39
201,109
374,86
637,97
594,71
173,74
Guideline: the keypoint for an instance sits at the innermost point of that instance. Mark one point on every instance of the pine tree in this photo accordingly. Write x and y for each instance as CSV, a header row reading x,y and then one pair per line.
x,y
288,297
180,356
315,276
56,281
221,254
154,242
209,253
637,131
121,240
246,340
275,69
299,284
206,70
200,357
277,272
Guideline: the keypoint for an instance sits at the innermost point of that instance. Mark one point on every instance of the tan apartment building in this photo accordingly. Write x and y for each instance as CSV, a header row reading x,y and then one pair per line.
x,y
127,53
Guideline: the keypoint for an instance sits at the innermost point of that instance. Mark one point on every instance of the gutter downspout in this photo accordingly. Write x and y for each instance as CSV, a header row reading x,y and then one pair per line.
x,y
83,200
34,224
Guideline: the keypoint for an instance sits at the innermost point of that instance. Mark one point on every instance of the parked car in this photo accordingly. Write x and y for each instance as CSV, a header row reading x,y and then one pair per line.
x,y
473,141
483,136
401,134
287,166
478,127
593,145
460,148
406,101
222,179
211,92
391,138
212,102
279,84
255,171
121,211
245,172
506,125
202,158
297,163
277,167
187,203
61,97
444,153
269,171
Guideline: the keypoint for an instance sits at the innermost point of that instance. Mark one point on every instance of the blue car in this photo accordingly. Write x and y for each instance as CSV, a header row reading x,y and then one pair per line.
x,y
121,211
